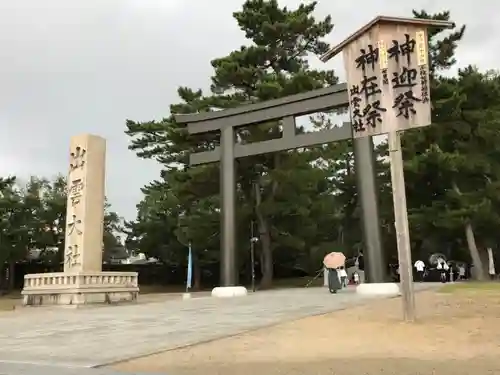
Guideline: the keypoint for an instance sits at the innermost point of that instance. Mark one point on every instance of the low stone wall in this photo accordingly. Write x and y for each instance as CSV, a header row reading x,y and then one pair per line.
x,y
80,288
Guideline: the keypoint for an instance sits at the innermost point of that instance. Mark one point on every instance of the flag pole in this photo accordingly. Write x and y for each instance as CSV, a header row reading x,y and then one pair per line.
x,y
190,268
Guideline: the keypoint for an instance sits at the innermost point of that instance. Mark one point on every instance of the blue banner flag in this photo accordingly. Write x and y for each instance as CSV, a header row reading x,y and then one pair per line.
x,y
190,269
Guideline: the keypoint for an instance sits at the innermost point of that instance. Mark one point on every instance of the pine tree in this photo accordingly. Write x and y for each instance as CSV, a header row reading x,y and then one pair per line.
x,y
452,166
273,64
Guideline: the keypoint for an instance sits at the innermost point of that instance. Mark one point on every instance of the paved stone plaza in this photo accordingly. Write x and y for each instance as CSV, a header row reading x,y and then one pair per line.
x,y
30,369
88,337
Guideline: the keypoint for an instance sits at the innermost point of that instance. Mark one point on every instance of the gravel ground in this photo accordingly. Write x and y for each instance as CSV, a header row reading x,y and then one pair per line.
x,y
455,334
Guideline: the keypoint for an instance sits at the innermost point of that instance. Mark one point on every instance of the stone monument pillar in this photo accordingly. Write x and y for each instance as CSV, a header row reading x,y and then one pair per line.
x,y
85,205
83,281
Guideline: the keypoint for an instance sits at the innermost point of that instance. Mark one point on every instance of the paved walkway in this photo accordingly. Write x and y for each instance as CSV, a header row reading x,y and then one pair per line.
x,y
30,369
96,336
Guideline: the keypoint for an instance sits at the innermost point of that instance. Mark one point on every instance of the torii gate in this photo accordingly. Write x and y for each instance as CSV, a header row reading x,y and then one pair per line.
x,y
286,110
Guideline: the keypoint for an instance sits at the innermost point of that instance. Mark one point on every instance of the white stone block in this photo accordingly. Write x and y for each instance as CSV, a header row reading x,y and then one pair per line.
x,y
378,289
229,291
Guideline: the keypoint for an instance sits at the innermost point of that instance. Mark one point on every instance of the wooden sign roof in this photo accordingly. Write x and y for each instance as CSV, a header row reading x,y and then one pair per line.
x,y
385,20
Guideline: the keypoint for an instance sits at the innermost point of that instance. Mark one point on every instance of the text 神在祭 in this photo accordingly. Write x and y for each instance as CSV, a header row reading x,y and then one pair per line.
x,y
369,113
365,96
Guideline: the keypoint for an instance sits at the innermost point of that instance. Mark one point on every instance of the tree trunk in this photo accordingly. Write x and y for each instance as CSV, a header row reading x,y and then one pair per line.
x,y
11,280
268,265
196,276
196,271
261,262
478,270
471,244
266,257
3,279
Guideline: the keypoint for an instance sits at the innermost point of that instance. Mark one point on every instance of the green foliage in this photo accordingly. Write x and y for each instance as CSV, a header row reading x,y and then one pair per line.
x,y
15,222
33,217
452,167
284,193
305,201
459,161
441,49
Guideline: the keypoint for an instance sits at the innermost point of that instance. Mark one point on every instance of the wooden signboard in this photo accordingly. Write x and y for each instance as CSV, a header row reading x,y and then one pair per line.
x,y
388,75
388,85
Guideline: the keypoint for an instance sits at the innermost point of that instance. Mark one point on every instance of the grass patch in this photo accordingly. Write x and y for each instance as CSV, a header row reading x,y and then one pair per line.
x,y
472,286
10,301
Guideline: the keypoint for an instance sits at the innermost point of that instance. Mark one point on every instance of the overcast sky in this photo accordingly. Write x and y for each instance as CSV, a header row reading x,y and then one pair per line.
x,y
75,66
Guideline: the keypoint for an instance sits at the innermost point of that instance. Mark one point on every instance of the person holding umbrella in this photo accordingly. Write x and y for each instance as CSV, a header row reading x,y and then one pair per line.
x,y
332,261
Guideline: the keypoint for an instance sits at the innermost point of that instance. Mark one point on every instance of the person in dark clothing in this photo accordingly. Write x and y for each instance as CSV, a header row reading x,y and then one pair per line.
x,y
333,280
360,264
443,269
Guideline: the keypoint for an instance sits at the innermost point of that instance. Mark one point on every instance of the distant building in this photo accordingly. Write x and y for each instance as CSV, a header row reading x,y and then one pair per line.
x,y
35,254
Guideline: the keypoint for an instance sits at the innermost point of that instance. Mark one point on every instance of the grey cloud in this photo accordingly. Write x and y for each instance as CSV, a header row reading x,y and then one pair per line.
x,y
87,65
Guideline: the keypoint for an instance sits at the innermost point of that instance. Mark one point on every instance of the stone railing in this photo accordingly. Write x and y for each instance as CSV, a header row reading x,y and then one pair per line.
x,y
83,280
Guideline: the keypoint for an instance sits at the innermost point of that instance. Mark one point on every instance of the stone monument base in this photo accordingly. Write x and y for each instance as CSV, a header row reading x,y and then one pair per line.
x,y
78,289
378,289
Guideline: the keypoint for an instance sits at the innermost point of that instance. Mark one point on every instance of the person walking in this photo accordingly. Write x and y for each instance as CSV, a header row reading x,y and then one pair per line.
x,y
355,277
333,261
451,272
442,267
461,272
360,267
333,280
343,277
420,267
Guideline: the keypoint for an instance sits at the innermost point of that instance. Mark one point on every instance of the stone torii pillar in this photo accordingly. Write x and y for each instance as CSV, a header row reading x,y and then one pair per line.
x,y
366,183
284,110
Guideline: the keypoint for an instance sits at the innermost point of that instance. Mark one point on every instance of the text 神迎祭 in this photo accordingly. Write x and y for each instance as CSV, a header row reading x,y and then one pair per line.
x,y
404,79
